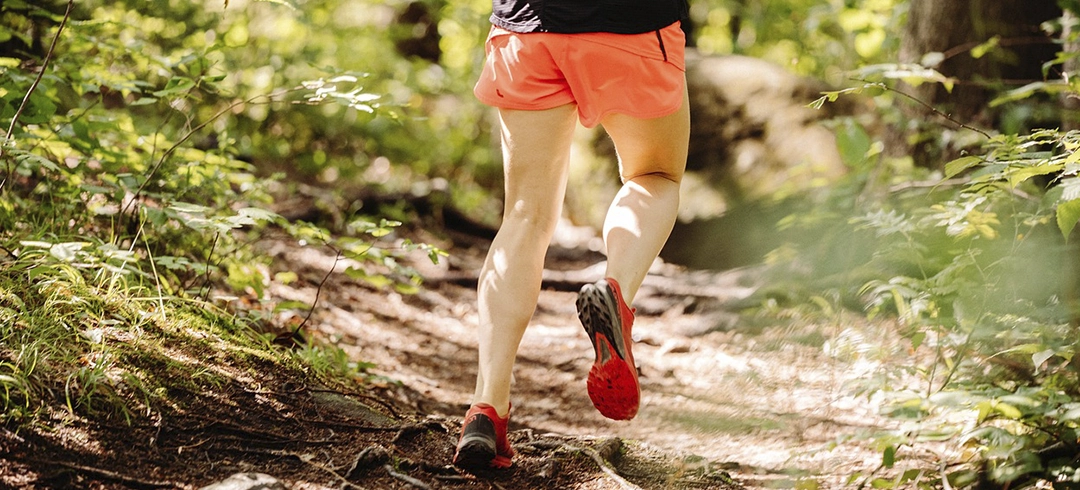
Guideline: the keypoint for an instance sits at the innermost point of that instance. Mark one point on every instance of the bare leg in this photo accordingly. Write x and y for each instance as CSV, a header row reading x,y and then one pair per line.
x,y
536,154
652,158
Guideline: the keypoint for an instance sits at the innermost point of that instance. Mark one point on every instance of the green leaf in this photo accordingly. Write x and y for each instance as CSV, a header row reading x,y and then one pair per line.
x,y
854,143
258,214
1025,173
981,50
984,409
291,305
406,288
176,85
173,263
286,277
189,208
1025,462
1030,90
888,458
1008,410
377,280
38,160
39,110
961,164
1068,215
1070,189
917,340
68,251
1039,358
1072,413
882,483
38,271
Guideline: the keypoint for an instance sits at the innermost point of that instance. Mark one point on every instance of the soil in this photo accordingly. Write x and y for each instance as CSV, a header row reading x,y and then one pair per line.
x,y
730,400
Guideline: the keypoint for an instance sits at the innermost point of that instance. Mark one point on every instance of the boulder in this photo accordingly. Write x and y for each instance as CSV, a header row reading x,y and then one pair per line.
x,y
753,139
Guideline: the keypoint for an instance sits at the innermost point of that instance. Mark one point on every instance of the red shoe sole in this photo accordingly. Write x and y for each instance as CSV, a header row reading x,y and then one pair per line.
x,y
614,390
613,382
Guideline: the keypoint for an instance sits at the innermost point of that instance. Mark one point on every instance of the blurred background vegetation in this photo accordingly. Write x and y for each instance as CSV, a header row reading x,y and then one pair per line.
x,y
155,140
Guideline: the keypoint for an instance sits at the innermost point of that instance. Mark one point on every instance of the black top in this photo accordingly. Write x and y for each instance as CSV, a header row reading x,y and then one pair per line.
x,y
575,16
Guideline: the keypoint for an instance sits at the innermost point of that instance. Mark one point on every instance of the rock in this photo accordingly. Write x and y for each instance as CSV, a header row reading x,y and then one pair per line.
x,y
350,408
751,132
248,481
752,138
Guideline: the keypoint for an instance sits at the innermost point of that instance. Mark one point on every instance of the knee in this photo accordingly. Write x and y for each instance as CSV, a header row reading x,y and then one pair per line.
x,y
532,218
673,176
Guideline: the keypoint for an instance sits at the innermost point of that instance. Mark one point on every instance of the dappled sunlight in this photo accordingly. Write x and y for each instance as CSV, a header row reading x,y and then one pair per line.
x,y
764,400
246,236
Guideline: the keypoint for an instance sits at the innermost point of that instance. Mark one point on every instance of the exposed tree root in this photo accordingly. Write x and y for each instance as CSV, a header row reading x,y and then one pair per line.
x,y
112,475
406,478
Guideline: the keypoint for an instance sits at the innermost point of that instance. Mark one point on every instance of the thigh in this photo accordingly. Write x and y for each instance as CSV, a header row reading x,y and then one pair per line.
x,y
655,146
536,155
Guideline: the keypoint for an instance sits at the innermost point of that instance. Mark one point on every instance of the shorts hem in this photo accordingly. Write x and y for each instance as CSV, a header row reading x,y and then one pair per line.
x,y
518,106
639,115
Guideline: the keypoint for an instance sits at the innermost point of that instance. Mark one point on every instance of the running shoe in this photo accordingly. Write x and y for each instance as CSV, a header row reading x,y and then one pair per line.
x,y
483,442
613,379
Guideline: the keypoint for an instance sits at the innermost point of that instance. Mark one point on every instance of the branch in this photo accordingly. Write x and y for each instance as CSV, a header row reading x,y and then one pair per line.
x,y
33,86
1009,41
175,146
927,106
206,281
318,292
406,478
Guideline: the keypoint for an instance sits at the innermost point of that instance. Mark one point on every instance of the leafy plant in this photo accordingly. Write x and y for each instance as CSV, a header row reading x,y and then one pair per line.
x,y
978,267
134,181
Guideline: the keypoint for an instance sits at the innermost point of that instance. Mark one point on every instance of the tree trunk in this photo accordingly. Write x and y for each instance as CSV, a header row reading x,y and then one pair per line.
x,y
1070,121
953,28
1070,43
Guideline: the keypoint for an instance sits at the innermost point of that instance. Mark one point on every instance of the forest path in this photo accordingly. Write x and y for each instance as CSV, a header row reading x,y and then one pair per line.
x,y
763,402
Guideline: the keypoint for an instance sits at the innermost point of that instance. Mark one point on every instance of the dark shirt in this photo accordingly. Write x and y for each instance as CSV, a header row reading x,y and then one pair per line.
x,y
575,16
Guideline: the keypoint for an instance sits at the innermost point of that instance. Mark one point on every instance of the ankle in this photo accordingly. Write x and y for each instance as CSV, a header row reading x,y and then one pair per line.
x,y
503,412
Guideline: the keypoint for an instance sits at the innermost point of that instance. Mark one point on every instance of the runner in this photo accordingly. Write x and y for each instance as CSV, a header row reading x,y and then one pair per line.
x,y
549,65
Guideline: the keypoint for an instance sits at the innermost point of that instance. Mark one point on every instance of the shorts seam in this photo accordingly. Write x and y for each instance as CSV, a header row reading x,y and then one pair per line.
x,y
505,104
652,115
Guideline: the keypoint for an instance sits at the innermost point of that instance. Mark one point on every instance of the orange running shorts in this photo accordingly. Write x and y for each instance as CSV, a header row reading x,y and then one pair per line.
x,y
640,75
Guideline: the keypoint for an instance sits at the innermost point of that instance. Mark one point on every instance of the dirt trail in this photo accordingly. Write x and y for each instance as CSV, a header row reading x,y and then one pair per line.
x,y
764,402
731,400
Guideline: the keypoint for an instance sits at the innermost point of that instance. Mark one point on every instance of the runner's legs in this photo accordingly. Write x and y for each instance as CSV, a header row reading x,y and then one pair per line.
x,y
652,159
536,154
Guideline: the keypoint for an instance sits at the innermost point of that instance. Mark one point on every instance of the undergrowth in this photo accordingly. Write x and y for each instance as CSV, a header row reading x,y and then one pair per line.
x,y
129,205
128,213
978,264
